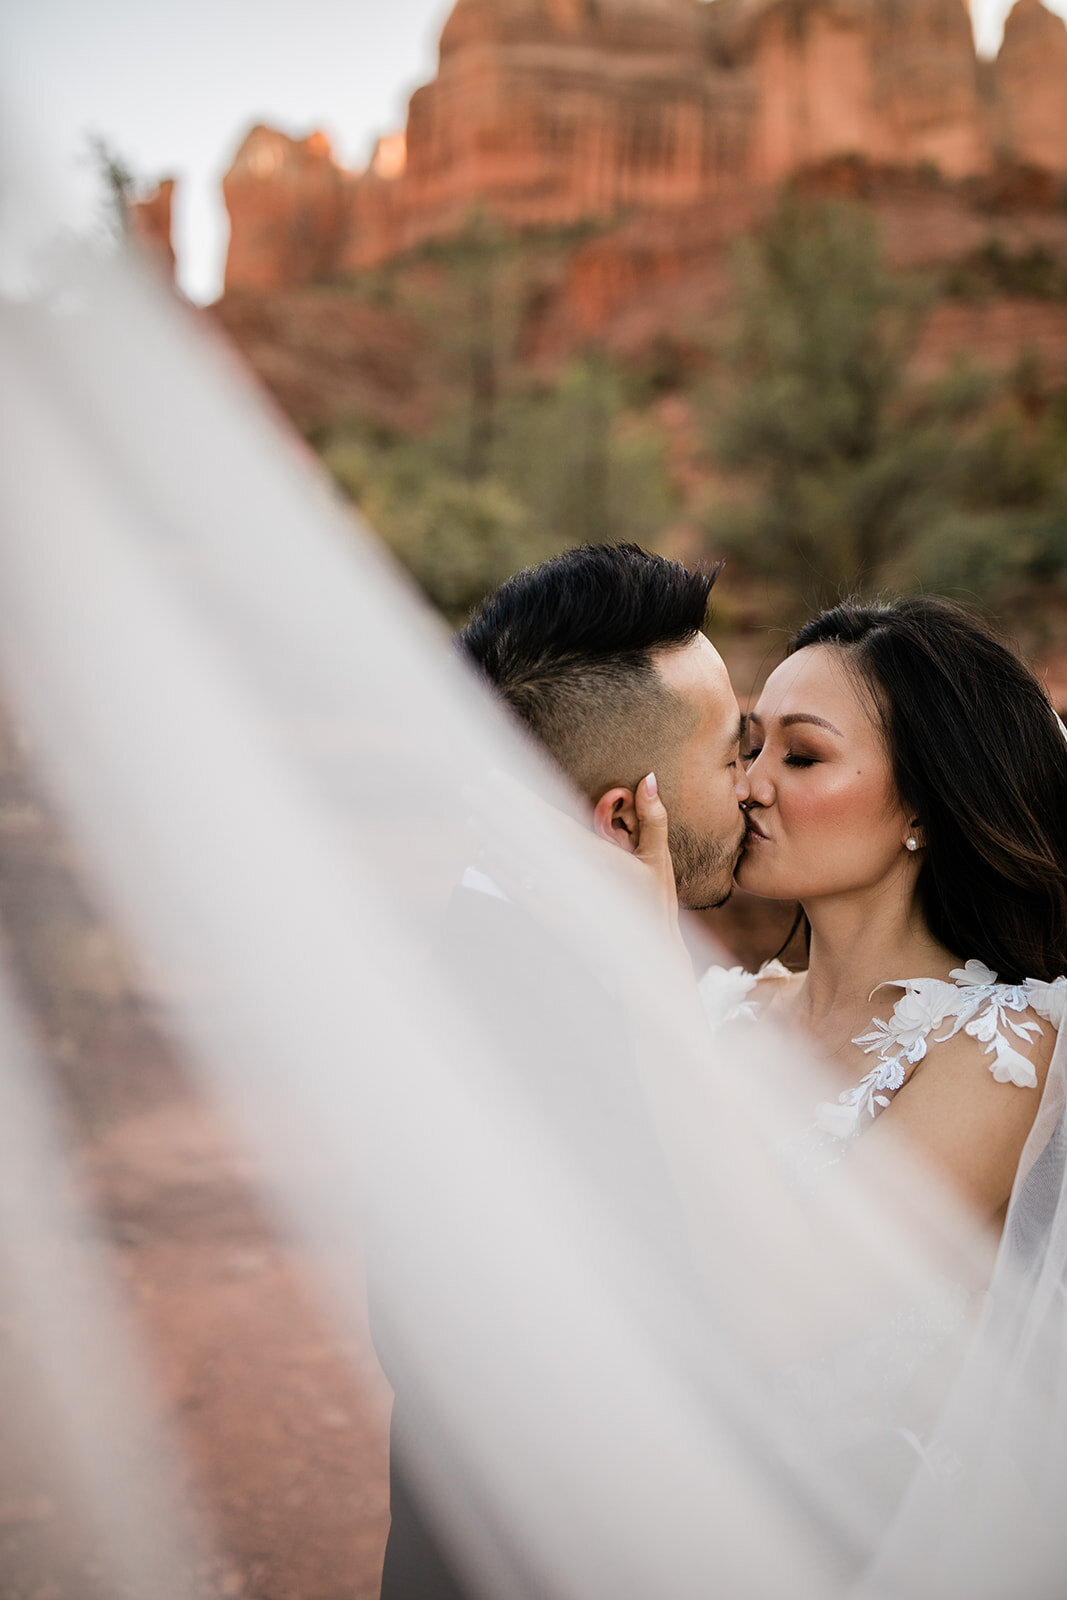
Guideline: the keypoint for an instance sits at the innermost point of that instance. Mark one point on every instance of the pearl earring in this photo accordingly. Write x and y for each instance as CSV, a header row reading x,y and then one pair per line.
x,y
911,844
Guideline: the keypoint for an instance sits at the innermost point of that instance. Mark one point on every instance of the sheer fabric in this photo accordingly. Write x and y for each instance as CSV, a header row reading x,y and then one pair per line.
x,y
594,1300
862,1396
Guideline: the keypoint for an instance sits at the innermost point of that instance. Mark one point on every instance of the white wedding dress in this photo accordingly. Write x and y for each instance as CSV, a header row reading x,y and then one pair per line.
x,y
993,1014
861,1394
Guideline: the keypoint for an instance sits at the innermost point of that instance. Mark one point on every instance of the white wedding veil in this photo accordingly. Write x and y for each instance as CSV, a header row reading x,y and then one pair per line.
x,y
275,775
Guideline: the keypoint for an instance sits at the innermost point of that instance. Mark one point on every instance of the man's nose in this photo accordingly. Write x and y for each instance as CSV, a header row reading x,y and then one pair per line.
x,y
742,788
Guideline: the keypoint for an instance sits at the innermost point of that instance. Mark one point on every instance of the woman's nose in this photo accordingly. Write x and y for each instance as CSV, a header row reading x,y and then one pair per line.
x,y
758,785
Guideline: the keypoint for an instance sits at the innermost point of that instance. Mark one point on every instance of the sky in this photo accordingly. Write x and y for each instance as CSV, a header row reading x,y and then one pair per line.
x,y
173,88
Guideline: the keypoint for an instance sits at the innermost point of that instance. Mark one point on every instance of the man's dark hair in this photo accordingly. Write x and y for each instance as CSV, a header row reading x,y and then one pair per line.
x,y
570,646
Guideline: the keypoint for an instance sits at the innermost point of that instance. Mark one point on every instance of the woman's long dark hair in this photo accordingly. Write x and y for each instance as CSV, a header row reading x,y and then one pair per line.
x,y
980,761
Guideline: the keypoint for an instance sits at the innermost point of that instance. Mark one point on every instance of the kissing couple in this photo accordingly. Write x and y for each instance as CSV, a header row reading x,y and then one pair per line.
x,y
902,777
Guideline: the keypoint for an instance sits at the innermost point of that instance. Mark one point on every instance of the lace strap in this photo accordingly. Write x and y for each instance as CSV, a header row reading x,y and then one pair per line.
x,y
990,1012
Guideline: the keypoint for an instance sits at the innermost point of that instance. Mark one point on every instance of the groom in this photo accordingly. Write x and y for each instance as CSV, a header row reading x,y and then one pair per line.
x,y
600,653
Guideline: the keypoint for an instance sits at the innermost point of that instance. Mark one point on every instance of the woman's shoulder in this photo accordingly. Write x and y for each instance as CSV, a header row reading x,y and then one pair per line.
x,y
974,1030
730,994
1005,1020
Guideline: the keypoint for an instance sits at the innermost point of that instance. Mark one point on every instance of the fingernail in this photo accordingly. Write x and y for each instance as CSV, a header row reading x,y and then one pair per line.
x,y
652,786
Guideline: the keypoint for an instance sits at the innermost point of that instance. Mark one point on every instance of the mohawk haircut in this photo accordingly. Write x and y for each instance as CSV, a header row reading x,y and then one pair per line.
x,y
569,645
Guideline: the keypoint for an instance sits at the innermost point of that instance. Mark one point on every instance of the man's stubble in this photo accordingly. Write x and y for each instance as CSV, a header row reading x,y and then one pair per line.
x,y
703,868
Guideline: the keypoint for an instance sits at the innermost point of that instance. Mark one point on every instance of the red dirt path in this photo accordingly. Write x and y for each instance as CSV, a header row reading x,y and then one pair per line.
x,y
281,1420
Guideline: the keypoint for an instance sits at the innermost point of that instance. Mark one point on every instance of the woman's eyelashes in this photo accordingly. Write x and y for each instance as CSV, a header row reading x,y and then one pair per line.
x,y
791,759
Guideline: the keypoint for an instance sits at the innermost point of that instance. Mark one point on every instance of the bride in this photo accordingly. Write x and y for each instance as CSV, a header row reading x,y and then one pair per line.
x,y
908,787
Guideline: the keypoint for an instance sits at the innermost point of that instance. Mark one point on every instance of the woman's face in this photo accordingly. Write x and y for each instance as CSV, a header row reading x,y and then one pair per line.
x,y
824,814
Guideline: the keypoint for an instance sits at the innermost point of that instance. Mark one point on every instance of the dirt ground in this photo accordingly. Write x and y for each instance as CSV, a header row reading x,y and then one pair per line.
x,y
280,1419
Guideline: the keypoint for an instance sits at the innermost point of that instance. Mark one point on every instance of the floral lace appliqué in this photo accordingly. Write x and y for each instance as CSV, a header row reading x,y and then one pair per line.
x,y
976,1003
726,992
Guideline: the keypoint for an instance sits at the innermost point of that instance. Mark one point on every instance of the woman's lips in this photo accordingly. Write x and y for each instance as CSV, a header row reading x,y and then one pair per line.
x,y
754,831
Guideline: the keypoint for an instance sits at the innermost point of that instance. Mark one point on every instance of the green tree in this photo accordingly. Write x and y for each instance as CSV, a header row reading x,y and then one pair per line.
x,y
588,468
117,182
850,476
1001,536
457,538
567,464
472,319
812,407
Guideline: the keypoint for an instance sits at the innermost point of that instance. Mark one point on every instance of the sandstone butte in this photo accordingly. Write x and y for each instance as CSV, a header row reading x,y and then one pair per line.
x,y
551,112
149,220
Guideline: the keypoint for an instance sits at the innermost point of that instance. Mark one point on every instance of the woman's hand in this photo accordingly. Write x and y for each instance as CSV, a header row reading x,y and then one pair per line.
x,y
653,850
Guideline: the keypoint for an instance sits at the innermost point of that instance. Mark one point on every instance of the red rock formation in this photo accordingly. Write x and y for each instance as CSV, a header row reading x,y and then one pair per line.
x,y
814,84
927,101
150,225
647,291
551,112
895,81
1031,87
286,203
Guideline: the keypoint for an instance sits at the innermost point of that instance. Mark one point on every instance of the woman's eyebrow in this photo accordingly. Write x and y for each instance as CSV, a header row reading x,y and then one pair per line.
x,y
808,716
799,716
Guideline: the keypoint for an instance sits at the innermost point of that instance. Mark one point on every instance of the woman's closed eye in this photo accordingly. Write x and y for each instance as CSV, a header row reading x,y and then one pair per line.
x,y
793,759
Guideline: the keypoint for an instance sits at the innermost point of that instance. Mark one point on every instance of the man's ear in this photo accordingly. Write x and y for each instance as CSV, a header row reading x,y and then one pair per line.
x,y
615,819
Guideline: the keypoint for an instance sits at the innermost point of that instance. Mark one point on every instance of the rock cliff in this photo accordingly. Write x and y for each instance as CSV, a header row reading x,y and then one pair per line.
x,y
1031,87
149,221
895,81
286,200
553,112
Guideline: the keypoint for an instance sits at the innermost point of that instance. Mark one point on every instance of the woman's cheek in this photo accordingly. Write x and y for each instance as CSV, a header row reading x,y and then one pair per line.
x,y
830,802
828,816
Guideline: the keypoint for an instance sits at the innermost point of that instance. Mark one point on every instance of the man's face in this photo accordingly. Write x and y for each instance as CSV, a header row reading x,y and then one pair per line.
x,y
703,783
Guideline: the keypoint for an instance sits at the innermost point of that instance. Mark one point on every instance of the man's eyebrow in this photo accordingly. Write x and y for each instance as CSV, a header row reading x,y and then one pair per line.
x,y
738,734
